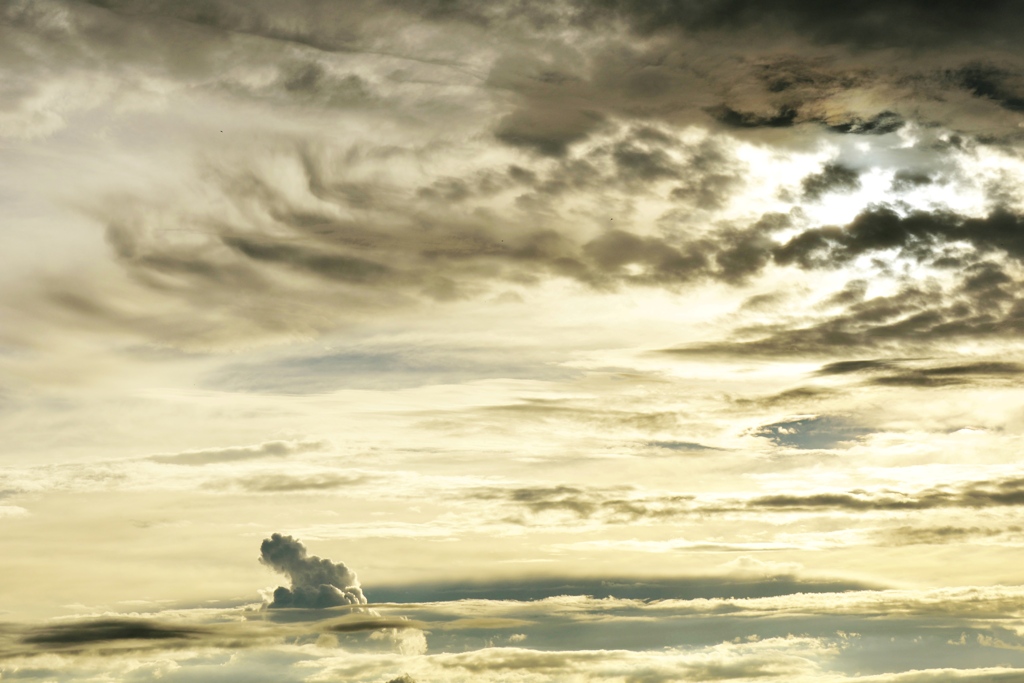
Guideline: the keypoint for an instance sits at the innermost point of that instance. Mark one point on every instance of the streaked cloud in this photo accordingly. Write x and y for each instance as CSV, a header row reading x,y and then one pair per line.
x,y
619,341
276,449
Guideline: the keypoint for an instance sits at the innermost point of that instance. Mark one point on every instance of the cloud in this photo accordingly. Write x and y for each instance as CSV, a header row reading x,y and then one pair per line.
x,y
788,397
904,180
844,367
315,583
373,624
212,629
684,446
543,505
381,246
387,259
547,131
616,505
287,483
919,235
276,449
274,171
733,625
768,582
544,411
784,118
945,535
832,178
988,81
312,28
978,303
1006,492
950,374
101,631
875,23
882,123
752,660
300,232
379,368
822,431
611,505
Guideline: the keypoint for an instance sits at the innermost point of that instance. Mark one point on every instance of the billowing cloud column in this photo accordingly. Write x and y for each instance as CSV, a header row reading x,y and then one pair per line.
x,y
316,582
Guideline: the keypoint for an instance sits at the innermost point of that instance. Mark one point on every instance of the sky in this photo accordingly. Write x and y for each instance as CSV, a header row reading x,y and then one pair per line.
x,y
416,341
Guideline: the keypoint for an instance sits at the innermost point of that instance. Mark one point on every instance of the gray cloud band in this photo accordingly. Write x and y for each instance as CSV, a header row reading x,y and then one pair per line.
x,y
623,506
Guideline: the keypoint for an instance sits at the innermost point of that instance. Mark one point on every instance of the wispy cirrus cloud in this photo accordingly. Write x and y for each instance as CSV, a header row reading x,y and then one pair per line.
x,y
269,449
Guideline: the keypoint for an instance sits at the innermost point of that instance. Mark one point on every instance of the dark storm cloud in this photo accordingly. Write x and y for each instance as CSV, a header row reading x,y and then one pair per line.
x,y
312,23
784,118
639,159
760,81
709,176
874,23
424,247
833,178
398,248
882,123
965,315
643,164
921,236
316,261
208,46
789,73
767,79
1003,86
904,180
981,302
102,631
796,90
315,583
597,116
918,235
615,249
547,131
563,93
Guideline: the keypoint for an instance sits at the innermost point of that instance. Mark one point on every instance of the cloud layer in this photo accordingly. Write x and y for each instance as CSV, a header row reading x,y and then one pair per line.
x,y
624,341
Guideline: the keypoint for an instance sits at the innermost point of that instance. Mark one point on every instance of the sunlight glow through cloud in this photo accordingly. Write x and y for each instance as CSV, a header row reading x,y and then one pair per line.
x,y
606,341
